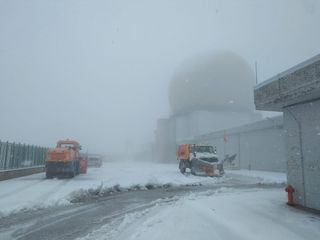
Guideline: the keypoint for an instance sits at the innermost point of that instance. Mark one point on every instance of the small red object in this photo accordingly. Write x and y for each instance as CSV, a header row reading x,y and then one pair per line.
x,y
290,190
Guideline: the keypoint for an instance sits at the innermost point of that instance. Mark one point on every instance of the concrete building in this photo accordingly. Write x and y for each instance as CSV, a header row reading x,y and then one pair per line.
x,y
211,104
259,145
202,100
206,96
296,93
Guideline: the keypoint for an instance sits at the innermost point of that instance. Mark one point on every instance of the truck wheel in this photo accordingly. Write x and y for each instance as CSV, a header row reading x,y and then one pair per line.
x,y
182,167
78,168
71,175
193,172
49,176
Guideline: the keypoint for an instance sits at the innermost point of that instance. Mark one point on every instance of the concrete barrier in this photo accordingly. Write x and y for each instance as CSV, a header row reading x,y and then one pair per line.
x,y
14,173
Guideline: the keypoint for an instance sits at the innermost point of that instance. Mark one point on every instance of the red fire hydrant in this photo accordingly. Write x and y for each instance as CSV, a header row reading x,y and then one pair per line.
x,y
290,190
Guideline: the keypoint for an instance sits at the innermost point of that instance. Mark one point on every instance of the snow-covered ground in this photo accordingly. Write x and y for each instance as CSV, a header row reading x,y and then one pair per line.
x,y
222,214
261,176
32,192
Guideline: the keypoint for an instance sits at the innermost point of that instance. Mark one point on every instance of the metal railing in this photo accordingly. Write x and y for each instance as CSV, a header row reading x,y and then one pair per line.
x,y
17,156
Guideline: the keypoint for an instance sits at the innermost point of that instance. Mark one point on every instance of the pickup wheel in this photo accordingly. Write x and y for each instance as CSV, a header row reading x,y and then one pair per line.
x,y
192,169
182,167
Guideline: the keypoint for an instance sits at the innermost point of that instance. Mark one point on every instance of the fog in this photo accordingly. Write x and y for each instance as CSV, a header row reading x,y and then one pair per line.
x,y
99,71
203,83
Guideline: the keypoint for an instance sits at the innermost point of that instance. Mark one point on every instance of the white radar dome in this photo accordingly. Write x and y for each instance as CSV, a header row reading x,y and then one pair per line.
x,y
217,81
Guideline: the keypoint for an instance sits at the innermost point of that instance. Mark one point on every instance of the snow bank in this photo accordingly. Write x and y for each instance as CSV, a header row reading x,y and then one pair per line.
x,y
225,214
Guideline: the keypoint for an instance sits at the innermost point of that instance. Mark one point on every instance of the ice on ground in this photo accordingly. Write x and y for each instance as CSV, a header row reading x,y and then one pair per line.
x,y
226,214
34,191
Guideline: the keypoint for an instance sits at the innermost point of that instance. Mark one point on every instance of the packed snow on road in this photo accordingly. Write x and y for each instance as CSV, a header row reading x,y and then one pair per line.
x,y
226,213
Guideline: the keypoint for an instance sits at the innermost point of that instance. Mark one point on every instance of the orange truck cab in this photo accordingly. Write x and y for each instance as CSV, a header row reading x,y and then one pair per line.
x,y
64,159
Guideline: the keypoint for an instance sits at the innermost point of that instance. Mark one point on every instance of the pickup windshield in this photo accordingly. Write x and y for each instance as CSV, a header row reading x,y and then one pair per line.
x,y
202,149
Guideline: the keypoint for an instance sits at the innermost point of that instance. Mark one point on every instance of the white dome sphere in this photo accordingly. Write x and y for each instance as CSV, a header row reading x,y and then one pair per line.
x,y
217,81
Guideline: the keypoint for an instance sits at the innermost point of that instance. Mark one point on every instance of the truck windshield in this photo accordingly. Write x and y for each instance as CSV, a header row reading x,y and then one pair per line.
x,y
67,145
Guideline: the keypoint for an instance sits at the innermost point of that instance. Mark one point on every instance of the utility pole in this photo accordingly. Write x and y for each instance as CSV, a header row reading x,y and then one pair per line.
x,y
256,70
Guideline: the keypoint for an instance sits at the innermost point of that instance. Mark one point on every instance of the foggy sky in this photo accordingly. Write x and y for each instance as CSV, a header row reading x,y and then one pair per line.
x,y
99,71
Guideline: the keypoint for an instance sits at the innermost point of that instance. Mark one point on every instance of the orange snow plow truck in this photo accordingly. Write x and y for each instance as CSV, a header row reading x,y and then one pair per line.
x,y
64,160
200,159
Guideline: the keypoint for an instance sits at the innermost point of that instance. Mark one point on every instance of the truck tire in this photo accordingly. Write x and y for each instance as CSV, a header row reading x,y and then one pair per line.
x,y
77,168
74,171
49,175
71,174
182,167
192,167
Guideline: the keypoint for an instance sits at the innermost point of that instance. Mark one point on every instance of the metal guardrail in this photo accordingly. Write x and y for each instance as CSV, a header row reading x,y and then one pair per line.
x,y
18,156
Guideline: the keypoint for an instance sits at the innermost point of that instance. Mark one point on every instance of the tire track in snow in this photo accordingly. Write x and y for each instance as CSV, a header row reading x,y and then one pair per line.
x,y
28,233
18,189
53,190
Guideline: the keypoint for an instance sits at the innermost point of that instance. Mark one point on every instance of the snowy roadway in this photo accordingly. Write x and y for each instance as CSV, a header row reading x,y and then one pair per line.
x,y
106,204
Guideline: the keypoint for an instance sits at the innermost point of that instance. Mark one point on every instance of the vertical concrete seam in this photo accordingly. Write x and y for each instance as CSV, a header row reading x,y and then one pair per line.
x,y
239,149
301,154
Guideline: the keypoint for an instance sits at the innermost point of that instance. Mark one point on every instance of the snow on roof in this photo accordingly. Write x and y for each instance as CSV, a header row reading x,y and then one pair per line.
x,y
289,71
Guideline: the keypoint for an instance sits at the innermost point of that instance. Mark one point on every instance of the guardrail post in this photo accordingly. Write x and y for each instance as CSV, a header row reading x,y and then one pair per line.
x,y
18,155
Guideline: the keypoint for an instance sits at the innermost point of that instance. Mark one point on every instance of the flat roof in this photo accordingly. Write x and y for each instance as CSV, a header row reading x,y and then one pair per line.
x,y
299,84
290,71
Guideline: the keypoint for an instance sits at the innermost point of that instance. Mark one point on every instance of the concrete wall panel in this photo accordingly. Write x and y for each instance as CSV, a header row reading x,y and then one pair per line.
x,y
259,146
303,151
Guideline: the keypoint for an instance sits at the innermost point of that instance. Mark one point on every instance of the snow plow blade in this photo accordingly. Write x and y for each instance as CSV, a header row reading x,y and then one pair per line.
x,y
204,168
229,159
